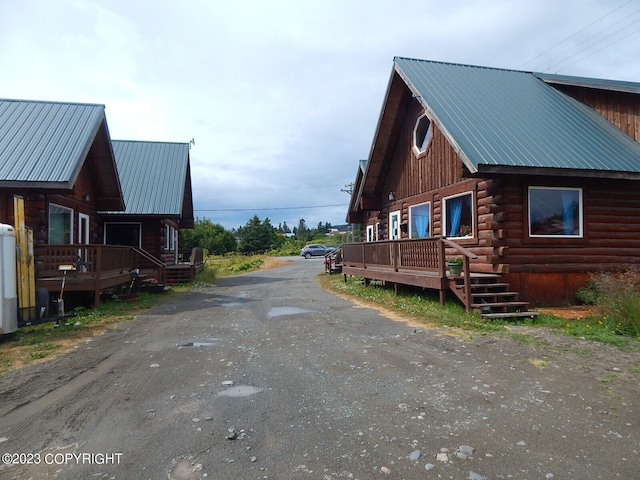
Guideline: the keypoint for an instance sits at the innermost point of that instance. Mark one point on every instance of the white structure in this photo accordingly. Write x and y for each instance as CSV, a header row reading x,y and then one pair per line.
x,y
8,289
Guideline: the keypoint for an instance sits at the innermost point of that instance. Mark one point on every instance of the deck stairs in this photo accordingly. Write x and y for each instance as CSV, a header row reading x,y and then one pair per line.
x,y
492,297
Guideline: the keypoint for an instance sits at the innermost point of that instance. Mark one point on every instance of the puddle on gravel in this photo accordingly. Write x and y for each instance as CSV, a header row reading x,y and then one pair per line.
x,y
239,391
223,304
230,304
279,311
209,342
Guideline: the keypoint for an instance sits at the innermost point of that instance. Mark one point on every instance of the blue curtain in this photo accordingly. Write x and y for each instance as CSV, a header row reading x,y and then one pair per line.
x,y
455,213
567,211
421,223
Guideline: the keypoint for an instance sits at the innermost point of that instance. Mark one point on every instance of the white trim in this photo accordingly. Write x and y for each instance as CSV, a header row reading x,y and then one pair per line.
x,y
410,218
445,220
369,233
82,217
392,235
71,215
580,211
106,224
428,135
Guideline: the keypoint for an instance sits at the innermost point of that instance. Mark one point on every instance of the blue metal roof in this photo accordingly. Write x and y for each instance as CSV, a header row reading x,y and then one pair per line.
x,y
507,118
45,142
153,176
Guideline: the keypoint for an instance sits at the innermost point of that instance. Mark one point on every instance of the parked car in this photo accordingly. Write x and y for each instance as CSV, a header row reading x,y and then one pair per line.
x,y
314,250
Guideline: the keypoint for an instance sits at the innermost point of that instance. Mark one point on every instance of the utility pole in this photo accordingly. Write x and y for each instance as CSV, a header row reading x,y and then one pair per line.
x,y
348,188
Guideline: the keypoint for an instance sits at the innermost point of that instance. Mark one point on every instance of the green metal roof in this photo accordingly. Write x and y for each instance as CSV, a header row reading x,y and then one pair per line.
x,y
600,83
153,176
45,142
505,118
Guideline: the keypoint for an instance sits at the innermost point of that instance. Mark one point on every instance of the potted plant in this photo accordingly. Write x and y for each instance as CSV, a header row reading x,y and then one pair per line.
x,y
455,265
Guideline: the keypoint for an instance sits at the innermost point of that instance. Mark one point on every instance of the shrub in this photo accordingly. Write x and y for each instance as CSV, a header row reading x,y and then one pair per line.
x,y
617,298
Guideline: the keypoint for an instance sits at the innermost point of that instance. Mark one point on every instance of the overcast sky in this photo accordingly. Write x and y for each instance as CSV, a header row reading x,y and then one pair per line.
x,y
283,97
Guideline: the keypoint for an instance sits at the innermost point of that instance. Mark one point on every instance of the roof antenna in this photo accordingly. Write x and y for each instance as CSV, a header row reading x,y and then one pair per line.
x,y
192,142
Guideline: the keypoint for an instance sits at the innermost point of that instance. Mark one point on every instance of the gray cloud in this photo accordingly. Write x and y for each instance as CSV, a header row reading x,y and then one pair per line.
x,y
283,97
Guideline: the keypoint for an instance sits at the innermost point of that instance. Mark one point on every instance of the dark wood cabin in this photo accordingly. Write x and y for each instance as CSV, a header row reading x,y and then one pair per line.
x,y
57,162
58,157
535,177
57,171
156,184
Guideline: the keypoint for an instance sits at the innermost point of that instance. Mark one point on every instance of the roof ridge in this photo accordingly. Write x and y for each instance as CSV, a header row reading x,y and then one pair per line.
x,y
53,102
481,67
151,141
547,77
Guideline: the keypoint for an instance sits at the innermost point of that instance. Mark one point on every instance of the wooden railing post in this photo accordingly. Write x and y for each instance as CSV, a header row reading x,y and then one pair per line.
x,y
395,255
467,283
96,288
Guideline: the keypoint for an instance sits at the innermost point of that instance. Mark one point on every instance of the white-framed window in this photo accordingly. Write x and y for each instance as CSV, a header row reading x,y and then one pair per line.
x,y
555,212
123,233
394,225
377,234
83,228
170,235
422,133
369,233
60,225
458,215
420,220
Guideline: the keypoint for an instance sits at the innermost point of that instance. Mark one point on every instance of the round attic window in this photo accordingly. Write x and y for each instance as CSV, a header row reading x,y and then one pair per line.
x,y
422,133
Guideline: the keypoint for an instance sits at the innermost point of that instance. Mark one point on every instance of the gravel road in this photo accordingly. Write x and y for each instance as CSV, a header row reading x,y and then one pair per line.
x,y
267,376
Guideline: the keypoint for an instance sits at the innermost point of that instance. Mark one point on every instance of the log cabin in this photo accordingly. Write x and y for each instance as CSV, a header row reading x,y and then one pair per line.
x,y
156,184
533,179
58,160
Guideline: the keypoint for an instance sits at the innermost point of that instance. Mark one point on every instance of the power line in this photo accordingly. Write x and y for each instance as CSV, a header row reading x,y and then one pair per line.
x,y
575,34
268,209
593,42
598,50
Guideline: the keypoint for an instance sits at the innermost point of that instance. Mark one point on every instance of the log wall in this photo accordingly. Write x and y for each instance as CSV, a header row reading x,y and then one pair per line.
x,y
546,271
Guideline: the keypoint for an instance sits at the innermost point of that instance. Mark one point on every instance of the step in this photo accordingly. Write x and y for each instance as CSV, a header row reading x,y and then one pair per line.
x,y
499,304
493,294
490,285
478,286
510,314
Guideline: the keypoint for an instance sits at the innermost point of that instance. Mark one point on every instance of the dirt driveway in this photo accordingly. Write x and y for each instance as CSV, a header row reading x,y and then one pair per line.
x,y
267,376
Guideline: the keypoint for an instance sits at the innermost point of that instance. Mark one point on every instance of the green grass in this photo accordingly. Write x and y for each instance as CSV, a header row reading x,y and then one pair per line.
x,y
218,266
424,306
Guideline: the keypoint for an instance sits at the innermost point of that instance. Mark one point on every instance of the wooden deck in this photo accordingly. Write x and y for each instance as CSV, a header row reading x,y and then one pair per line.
x,y
96,268
185,272
423,263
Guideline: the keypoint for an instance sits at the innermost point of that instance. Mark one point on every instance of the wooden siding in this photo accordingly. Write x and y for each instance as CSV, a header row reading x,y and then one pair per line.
x,y
545,270
621,109
417,177
411,173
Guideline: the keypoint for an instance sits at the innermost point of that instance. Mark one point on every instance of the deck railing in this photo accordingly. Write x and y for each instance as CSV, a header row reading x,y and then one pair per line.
x,y
92,259
426,256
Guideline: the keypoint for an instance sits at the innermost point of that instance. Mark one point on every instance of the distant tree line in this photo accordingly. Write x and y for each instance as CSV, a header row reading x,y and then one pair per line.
x,y
257,236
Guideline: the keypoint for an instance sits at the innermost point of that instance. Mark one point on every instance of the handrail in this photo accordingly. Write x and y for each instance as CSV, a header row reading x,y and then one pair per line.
x,y
467,254
160,266
461,249
426,254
